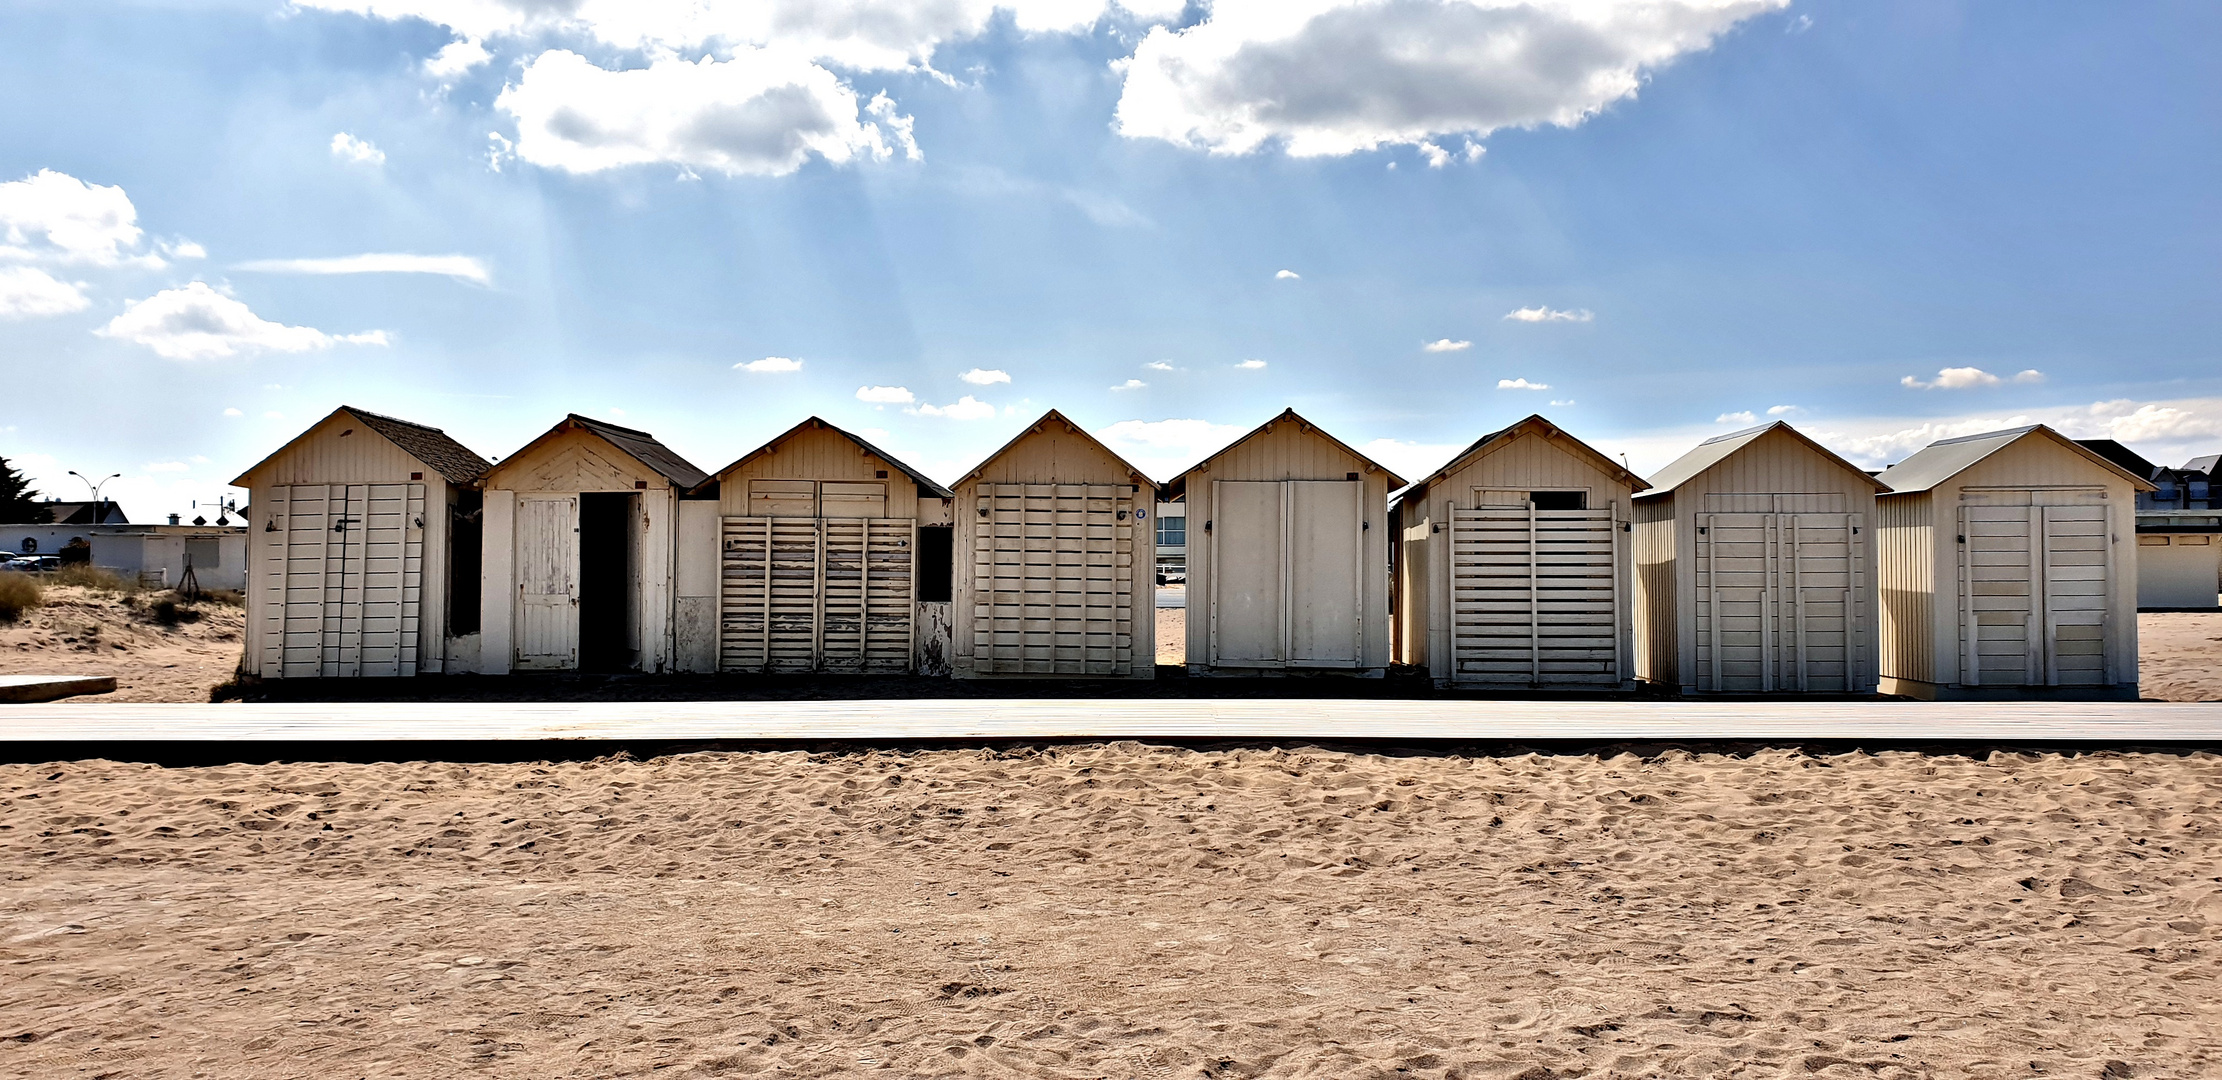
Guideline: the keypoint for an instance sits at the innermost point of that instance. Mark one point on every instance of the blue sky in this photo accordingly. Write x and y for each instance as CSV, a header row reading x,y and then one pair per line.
x,y
1885,222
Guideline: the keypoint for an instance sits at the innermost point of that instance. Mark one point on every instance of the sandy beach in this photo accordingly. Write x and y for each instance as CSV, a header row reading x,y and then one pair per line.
x,y
1118,911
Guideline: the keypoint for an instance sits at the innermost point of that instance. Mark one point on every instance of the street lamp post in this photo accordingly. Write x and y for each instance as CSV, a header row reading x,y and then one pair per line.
x,y
100,509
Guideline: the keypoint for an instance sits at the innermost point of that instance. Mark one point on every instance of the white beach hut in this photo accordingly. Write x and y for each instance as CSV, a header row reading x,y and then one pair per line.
x,y
1053,544
2009,566
581,547
1289,569
1513,565
1755,569
829,556
354,528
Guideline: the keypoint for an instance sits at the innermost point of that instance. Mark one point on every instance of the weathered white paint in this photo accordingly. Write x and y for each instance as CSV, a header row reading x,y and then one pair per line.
x,y
1288,554
547,561
341,450
1048,546
497,615
695,612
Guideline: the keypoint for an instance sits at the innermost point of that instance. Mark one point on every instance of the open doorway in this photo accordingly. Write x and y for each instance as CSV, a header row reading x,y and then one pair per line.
x,y
608,582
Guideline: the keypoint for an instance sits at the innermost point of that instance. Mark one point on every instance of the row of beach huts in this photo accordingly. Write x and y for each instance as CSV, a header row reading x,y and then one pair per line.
x,y
1759,562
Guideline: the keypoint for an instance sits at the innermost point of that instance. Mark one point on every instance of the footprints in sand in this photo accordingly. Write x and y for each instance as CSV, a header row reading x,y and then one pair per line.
x,y
1119,910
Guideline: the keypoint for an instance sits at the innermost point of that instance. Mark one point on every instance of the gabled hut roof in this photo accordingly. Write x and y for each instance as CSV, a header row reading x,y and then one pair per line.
x,y
1946,458
638,445
921,479
1180,483
452,460
1057,417
1719,448
1535,424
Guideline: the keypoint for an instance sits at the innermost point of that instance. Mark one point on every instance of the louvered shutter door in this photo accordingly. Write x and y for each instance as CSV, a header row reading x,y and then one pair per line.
x,y
803,595
1535,596
1053,580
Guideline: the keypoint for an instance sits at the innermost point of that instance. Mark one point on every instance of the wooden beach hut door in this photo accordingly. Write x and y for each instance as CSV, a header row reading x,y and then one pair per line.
x,y
344,574
1535,595
1777,596
547,582
799,595
1053,580
2035,589
1286,584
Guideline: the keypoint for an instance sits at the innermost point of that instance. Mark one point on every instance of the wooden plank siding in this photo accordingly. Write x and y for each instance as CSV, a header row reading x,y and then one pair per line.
x,y
571,463
1906,536
1296,476
1503,594
2019,573
1795,550
1053,557
1658,617
340,451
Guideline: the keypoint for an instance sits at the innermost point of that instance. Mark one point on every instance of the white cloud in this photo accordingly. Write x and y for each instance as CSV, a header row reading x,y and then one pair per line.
x,y
1783,410
28,292
460,267
1131,384
772,365
1411,459
860,35
1744,417
233,412
1251,365
356,151
199,323
1965,378
1545,314
1159,365
1287,275
964,408
885,395
455,59
167,466
54,217
184,249
1447,345
1326,77
985,376
1165,447
1521,384
762,113
1568,401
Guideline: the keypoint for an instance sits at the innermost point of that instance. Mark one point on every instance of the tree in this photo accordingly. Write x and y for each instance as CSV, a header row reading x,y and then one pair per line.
x,y
19,505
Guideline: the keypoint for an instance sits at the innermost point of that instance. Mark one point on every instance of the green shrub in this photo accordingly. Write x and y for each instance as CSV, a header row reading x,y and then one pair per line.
x,y
19,593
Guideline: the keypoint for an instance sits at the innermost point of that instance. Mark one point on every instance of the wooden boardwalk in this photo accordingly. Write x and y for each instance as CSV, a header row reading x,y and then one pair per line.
x,y
1022,719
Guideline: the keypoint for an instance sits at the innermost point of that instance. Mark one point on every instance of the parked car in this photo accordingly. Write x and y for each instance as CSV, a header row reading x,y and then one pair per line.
x,y
39,563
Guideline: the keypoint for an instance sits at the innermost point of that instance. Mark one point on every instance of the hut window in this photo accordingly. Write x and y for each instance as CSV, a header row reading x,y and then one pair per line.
x,y
1559,500
936,556
2152,541
2194,541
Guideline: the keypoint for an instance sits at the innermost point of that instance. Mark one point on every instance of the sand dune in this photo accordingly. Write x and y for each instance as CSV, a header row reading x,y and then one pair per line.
x,y
1118,911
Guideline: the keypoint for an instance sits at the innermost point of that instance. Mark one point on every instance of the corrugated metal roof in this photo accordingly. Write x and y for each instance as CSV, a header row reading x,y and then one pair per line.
x,y
1946,458
921,479
1717,449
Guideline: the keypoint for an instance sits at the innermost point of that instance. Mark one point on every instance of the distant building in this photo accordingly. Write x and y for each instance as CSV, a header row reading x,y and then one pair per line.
x,y
1172,541
104,512
2179,530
